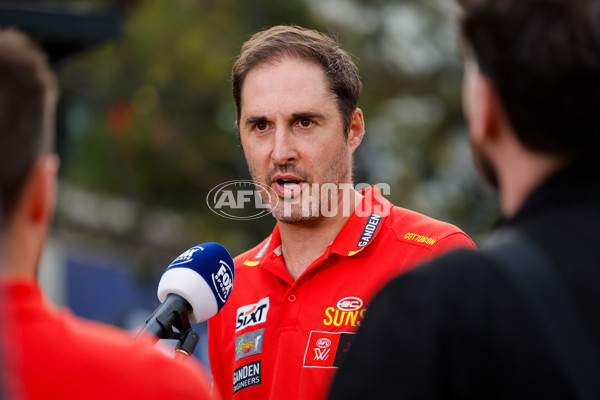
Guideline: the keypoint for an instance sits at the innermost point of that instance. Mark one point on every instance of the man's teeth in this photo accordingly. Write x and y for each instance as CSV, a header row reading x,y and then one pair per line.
x,y
289,184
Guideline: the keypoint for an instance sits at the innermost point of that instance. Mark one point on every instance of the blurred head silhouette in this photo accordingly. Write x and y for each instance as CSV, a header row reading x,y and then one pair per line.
x,y
27,166
532,85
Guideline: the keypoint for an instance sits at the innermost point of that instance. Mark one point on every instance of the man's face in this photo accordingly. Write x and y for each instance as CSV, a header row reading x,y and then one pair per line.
x,y
292,134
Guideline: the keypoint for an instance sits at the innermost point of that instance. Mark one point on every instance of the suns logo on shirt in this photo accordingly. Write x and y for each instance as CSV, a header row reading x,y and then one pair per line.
x,y
348,311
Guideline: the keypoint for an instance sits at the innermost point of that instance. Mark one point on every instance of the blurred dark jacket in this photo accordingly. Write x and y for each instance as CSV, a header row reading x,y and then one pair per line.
x,y
462,327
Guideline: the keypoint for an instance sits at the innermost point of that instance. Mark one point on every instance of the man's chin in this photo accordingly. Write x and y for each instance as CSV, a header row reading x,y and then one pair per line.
x,y
295,217
299,220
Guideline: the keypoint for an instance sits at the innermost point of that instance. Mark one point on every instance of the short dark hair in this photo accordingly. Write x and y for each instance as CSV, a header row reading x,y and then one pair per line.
x,y
293,41
27,103
543,59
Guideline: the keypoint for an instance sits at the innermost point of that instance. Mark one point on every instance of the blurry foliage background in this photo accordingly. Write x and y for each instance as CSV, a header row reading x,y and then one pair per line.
x,y
148,120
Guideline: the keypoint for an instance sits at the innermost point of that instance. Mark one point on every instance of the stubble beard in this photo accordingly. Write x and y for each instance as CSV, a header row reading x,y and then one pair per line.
x,y
336,172
484,166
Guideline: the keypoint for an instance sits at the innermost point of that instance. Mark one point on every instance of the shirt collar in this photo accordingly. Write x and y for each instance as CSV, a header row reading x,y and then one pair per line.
x,y
364,224
270,245
20,291
358,232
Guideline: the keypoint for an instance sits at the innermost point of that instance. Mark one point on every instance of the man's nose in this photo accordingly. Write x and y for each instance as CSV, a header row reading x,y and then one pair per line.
x,y
284,147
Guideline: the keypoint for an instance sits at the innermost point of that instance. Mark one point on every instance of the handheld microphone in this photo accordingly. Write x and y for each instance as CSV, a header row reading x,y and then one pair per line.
x,y
194,287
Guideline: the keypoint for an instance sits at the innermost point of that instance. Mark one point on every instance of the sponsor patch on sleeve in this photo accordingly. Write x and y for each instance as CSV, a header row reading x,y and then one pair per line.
x,y
327,349
246,376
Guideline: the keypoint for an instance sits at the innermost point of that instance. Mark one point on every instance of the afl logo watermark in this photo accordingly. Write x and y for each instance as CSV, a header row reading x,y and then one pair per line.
x,y
349,304
323,343
242,199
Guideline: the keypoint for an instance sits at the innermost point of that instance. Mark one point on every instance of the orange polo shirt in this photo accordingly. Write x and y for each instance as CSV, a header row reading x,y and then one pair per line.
x,y
277,338
47,353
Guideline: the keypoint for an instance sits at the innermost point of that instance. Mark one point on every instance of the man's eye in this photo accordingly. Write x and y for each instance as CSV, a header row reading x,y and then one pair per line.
x,y
305,123
261,126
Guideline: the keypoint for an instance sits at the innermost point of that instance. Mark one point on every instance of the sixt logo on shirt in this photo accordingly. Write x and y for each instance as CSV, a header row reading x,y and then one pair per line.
x,y
327,349
252,314
249,344
369,230
347,312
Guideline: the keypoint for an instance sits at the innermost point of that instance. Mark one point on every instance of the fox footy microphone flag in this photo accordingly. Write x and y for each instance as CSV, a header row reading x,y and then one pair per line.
x,y
203,275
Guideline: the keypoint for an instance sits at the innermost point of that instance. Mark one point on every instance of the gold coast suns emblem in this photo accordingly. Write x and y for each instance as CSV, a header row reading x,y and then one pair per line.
x,y
348,311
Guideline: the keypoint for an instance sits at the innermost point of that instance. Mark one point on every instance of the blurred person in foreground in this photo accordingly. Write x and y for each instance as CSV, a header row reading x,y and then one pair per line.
x,y
49,353
301,293
517,319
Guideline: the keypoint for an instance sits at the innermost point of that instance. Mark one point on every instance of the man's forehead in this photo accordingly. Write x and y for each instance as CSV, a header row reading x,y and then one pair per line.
x,y
287,70
289,86
282,59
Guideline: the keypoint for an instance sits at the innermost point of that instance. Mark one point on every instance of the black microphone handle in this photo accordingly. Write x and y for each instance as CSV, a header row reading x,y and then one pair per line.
x,y
172,312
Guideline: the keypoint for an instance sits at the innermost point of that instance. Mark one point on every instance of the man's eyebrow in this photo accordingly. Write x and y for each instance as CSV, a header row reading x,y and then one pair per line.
x,y
296,116
254,120
309,115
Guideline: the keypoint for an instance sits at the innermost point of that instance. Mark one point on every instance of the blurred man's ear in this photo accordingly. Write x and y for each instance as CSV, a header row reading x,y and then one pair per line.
x,y
40,189
481,105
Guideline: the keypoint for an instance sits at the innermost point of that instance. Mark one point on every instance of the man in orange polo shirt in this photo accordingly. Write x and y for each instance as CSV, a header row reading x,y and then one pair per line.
x,y
47,353
301,293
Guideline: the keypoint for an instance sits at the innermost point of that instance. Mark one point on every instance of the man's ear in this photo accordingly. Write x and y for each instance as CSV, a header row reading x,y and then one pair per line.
x,y
481,104
40,188
357,129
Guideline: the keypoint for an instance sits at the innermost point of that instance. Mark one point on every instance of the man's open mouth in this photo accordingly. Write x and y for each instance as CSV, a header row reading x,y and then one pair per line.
x,y
288,183
288,186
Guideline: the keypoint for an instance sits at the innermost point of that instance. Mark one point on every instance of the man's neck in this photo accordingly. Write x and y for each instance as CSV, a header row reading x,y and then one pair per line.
x,y
301,244
521,174
20,252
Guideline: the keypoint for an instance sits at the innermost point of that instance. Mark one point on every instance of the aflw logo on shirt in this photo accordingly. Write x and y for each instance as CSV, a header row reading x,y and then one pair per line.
x,y
252,314
327,349
322,349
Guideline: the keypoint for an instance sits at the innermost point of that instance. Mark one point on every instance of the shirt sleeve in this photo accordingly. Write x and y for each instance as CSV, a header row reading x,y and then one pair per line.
x,y
458,240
